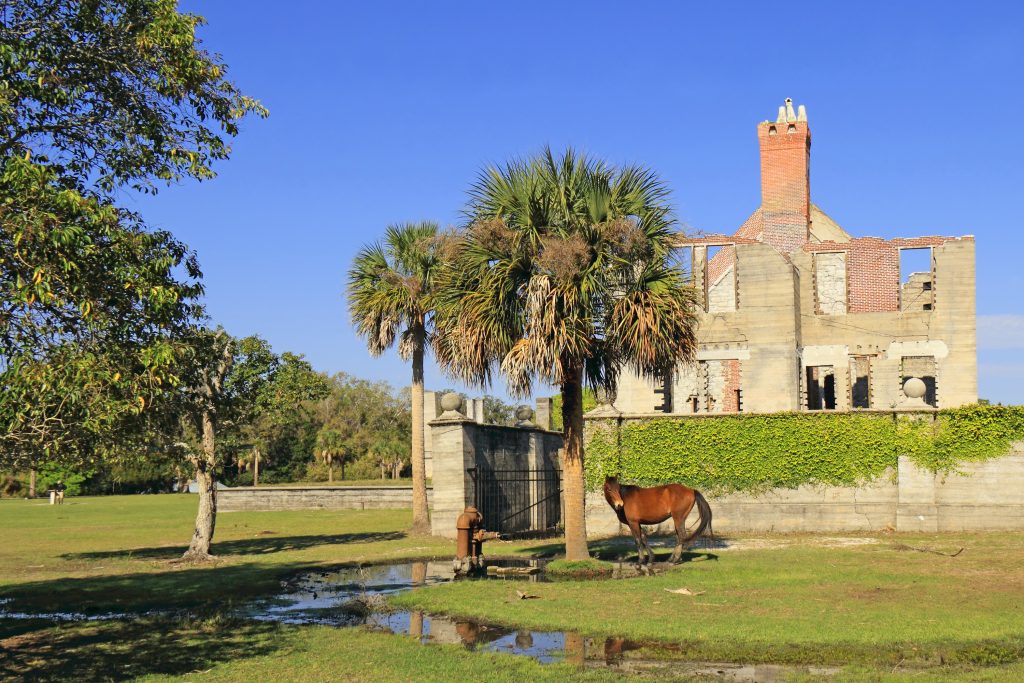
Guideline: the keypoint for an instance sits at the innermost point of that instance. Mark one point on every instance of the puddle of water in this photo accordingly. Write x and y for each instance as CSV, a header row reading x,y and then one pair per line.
x,y
357,597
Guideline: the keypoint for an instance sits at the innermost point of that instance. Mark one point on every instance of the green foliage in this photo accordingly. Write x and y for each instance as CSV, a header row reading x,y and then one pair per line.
x,y
759,452
51,473
589,403
497,411
366,424
115,92
92,310
564,274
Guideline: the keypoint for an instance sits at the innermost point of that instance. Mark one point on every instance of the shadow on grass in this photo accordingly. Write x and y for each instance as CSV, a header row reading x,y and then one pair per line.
x,y
623,549
187,587
262,545
119,651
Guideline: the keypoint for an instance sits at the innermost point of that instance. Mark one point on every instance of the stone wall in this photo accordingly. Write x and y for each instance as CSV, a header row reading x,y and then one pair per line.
x,y
264,498
983,496
460,444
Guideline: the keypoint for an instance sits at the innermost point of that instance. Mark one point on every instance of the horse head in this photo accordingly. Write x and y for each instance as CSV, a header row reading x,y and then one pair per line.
x,y
612,493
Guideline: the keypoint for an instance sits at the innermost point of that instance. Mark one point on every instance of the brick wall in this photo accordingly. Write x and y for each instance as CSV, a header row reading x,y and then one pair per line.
x,y
730,399
873,269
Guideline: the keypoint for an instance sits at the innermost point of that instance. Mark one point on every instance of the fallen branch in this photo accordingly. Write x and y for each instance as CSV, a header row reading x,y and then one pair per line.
x,y
902,546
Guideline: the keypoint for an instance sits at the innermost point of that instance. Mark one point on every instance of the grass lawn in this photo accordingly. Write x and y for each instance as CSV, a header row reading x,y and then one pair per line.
x,y
883,611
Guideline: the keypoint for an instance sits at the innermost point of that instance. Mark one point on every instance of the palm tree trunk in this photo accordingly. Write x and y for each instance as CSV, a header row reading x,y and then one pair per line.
x,y
573,480
420,512
330,473
256,467
206,517
32,483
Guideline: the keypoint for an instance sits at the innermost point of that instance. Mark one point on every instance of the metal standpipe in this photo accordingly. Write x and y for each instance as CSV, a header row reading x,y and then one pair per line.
x,y
469,541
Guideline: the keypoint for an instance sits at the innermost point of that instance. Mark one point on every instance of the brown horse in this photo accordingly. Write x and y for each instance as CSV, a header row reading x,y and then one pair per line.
x,y
636,506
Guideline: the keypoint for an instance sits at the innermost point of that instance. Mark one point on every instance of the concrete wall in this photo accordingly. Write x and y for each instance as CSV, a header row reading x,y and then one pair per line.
x,y
265,498
983,496
461,444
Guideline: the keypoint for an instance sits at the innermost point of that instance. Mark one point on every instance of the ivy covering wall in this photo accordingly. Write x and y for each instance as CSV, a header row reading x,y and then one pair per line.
x,y
754,453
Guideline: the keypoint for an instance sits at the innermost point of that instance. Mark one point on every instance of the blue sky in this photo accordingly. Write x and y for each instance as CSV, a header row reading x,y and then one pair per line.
x,y
385,112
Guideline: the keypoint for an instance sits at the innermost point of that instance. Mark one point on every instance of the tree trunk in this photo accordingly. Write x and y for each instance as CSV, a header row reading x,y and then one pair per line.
x,y
343,469
256,467
420,512
330,473
32,483
206,517
573,481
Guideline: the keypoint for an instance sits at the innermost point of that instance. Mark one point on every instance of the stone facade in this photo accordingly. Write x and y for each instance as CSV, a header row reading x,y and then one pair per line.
x,y
799,315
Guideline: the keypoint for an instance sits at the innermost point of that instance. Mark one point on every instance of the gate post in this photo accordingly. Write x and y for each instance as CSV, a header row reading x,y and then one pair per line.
x,y
452,441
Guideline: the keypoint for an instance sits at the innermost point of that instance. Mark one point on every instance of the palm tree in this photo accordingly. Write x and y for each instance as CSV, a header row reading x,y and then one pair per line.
x,y
389,292
330,447
565,274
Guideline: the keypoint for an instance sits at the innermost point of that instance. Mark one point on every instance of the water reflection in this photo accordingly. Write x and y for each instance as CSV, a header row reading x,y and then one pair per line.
x,y
356,596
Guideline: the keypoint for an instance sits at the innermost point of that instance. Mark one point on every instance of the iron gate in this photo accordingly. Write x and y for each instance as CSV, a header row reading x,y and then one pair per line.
x,y
518,500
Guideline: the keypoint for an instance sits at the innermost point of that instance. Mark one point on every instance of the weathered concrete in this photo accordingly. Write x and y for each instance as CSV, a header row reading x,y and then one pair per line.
x,y
265,498
983,496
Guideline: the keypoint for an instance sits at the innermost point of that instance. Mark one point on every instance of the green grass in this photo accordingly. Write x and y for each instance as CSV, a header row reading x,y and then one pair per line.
x,y
118,552
876,604
580,569
884,611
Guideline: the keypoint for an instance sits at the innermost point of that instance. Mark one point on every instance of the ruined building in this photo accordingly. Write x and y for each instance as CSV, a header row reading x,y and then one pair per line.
x,y
799,315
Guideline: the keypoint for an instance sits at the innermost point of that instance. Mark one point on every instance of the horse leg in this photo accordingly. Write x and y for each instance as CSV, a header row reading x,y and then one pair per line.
x,y
679,517
638,536
677,553
647,546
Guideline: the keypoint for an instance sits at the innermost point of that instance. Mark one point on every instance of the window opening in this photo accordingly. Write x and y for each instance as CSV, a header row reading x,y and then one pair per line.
x,y
924,368
860,381
916,278
821,387
682,259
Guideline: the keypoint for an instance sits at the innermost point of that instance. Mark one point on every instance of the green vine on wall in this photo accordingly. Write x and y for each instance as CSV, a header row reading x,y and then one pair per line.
x,y
755,453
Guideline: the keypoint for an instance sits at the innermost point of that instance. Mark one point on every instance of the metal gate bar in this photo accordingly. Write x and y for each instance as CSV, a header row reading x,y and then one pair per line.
x,y
513,500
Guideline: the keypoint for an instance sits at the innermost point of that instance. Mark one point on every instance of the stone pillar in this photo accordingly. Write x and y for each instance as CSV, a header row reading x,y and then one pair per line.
x,y
543,416
474,408
452,439
431,409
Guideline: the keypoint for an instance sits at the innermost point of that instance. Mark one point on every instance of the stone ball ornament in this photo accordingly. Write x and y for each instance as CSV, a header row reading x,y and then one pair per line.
x,y
524,413
451,402
914,388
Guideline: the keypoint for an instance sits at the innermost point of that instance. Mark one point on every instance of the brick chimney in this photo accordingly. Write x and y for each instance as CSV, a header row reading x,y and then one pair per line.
x,y
785,178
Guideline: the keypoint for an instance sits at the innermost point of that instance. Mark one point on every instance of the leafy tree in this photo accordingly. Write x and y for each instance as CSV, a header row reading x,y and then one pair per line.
x,y
389,292
330,447
93,308
371,423
282,404
497,411
234,384
565,274
114,92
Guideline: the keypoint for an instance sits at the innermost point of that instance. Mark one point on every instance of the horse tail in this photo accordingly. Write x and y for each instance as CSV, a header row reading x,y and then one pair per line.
x,y
704,510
